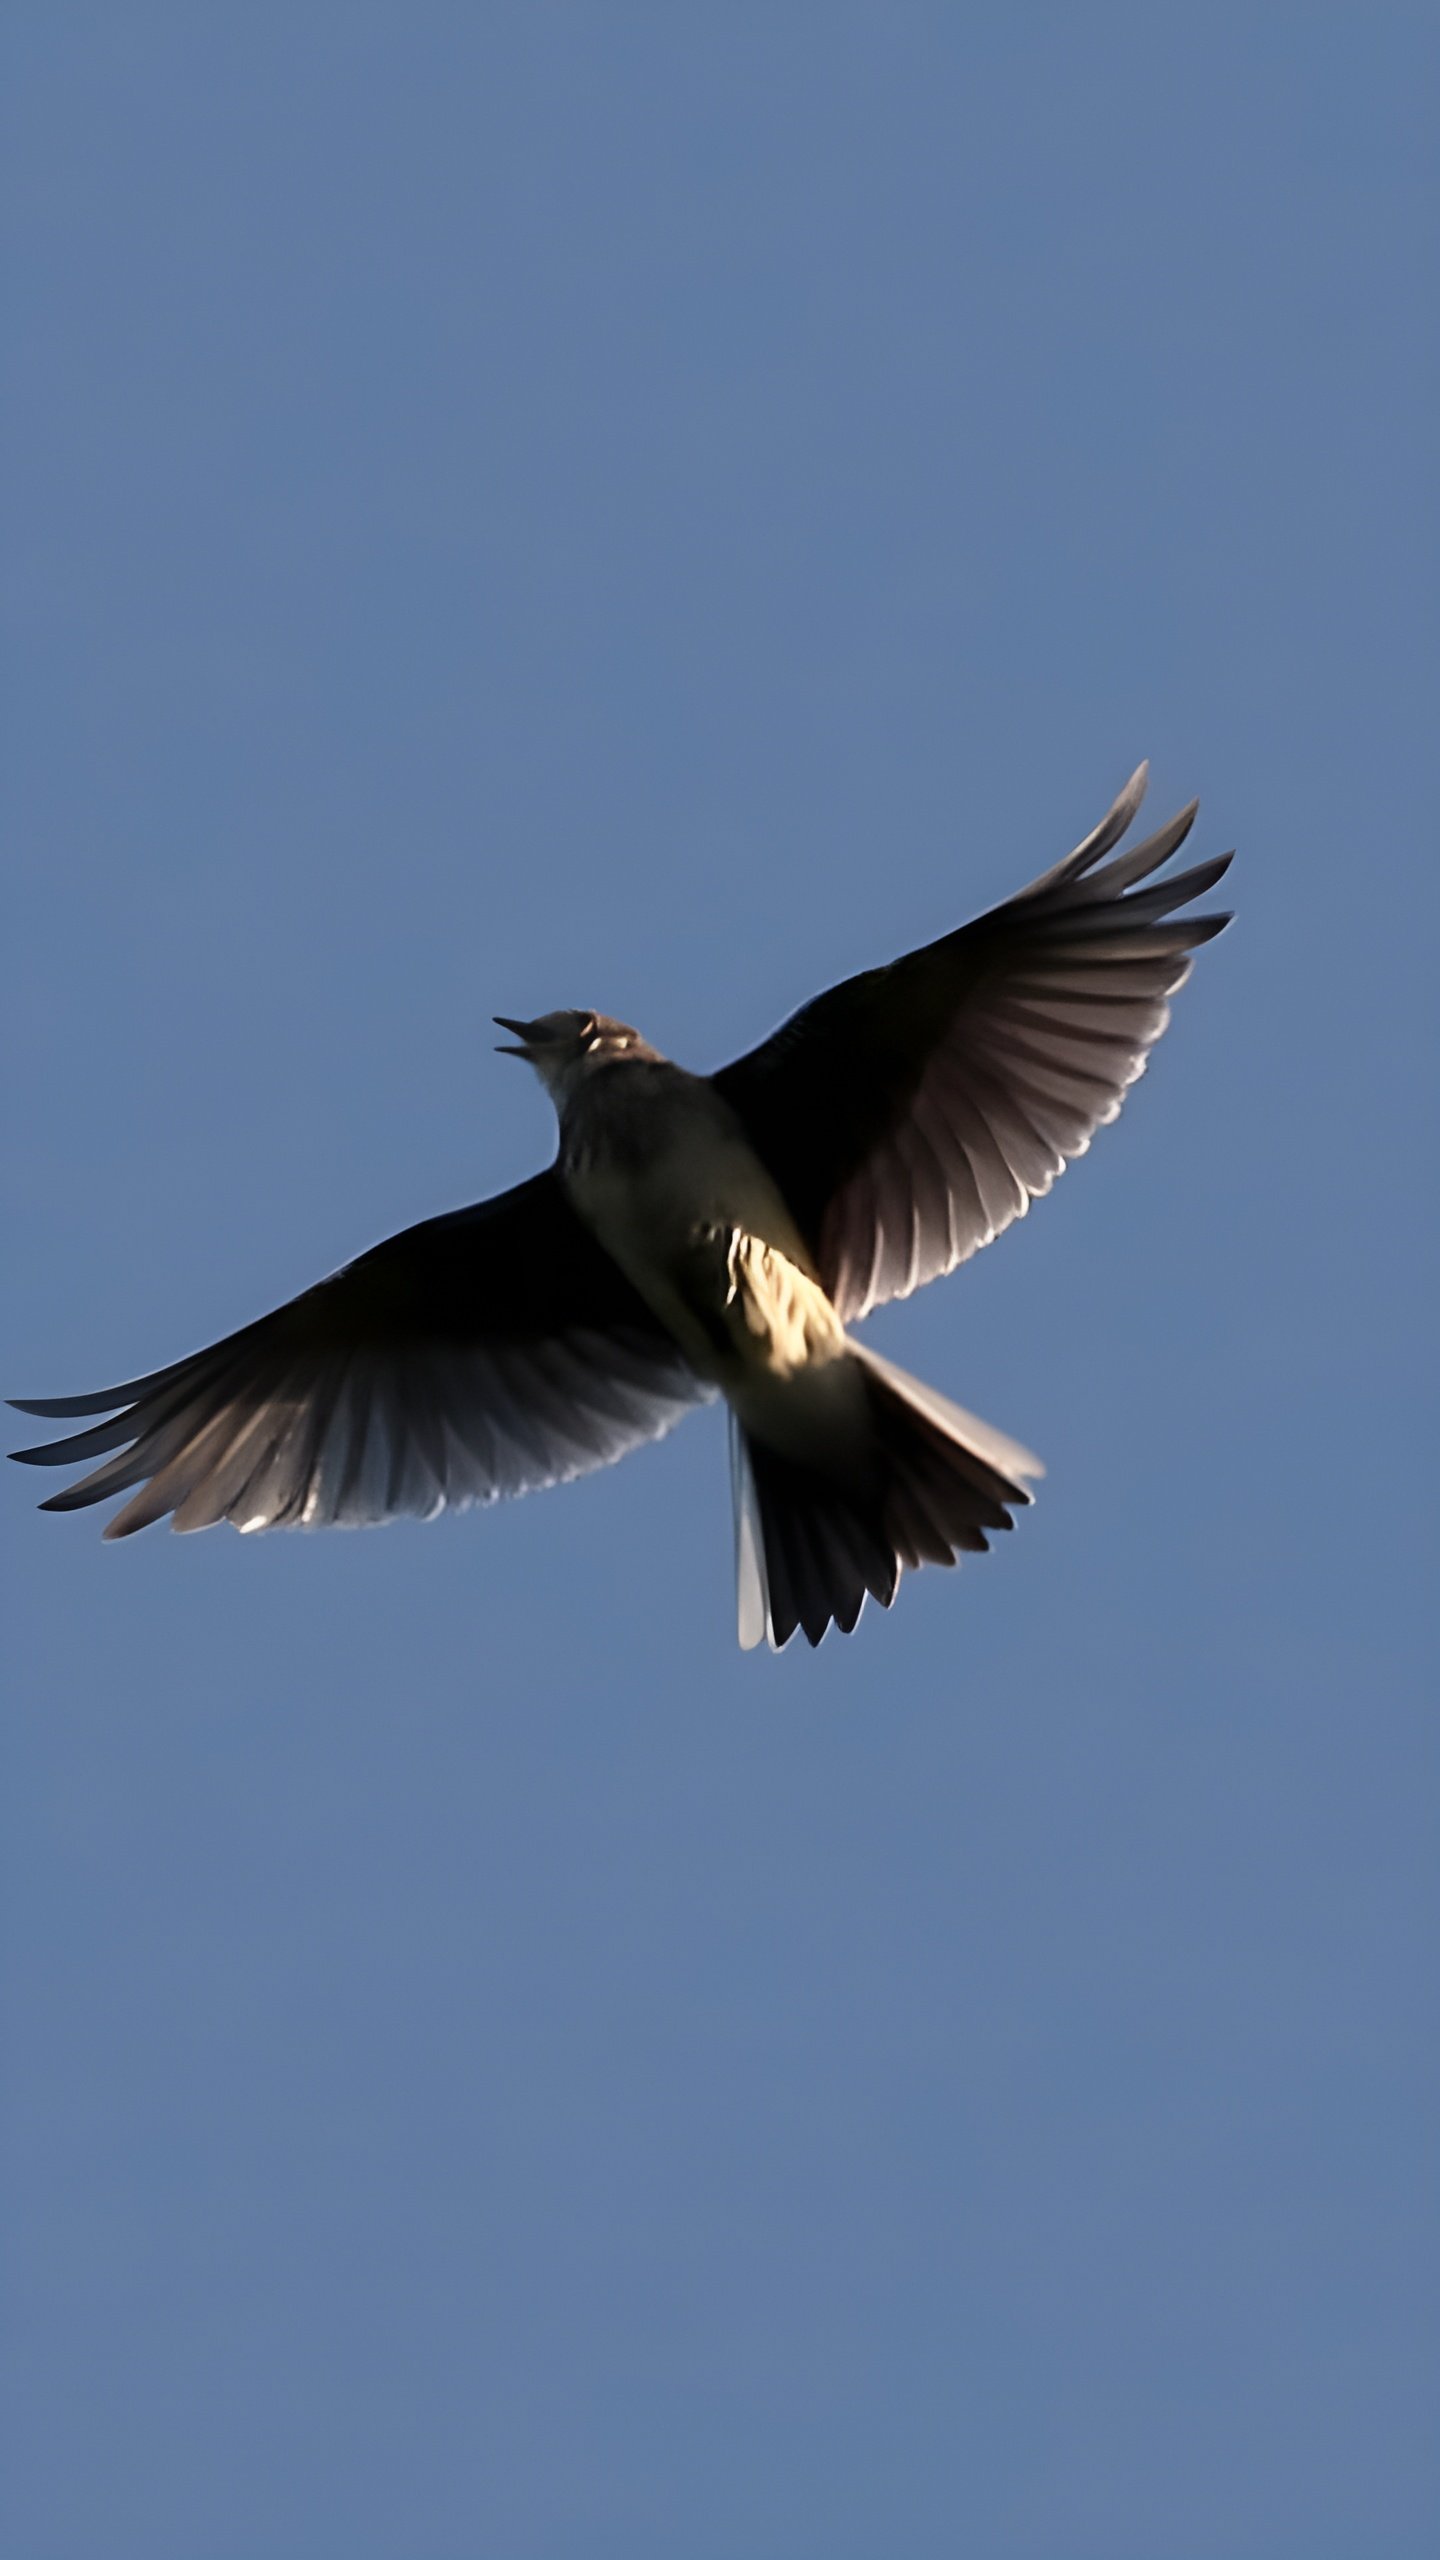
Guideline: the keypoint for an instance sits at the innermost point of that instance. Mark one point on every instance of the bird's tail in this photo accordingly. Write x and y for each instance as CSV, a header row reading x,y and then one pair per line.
x,y
810,1543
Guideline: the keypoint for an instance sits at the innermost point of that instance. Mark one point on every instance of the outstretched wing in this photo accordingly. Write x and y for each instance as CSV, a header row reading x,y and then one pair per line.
x,y
479,1354
909,1115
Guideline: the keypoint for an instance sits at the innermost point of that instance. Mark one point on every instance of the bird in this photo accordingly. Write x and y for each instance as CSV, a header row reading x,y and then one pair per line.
x,y
701,1236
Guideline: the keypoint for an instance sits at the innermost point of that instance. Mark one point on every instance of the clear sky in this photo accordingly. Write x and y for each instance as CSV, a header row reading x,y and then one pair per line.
x,y
657,508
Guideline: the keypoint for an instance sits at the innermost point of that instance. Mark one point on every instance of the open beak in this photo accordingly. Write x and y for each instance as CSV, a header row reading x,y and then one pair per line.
x,y
528,1040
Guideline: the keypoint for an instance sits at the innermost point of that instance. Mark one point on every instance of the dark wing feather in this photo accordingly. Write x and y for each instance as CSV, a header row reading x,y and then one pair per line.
x,y
911,1114
484,1353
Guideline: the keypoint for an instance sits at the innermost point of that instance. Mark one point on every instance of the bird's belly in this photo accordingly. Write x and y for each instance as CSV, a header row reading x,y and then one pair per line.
x,y
702,1232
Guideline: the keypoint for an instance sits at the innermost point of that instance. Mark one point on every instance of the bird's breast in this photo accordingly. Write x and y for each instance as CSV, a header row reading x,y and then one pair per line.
x,y
661,1171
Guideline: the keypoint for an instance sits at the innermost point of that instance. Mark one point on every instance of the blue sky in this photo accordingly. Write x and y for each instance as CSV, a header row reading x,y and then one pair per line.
x,y
514,507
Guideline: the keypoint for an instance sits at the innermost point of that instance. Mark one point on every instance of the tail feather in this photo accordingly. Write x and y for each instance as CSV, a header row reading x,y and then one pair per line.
x,y
931,1483
1009,1458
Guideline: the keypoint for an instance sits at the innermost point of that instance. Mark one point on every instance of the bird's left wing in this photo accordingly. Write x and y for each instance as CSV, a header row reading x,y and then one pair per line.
x,y
483,1353
909,1115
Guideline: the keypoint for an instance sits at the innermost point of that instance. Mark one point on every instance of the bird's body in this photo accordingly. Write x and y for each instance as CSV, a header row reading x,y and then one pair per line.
x,y
651,1158
704,1234
658,1166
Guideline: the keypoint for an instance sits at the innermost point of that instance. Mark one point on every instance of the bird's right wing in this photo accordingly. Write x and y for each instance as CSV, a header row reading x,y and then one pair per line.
x,y
910,1114
483,1353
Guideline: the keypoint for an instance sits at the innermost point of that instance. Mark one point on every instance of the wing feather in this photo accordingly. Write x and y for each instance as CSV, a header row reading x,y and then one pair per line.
x,y
481,1354
913,1113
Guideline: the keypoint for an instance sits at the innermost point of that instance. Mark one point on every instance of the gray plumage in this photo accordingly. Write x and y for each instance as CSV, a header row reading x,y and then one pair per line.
x,y
700,1235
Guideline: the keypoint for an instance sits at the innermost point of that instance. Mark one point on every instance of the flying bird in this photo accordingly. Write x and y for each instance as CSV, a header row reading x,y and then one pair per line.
x,y
700,1235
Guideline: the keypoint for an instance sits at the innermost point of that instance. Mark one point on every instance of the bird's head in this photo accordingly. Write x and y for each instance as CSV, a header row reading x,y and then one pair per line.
x,y
561,1047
